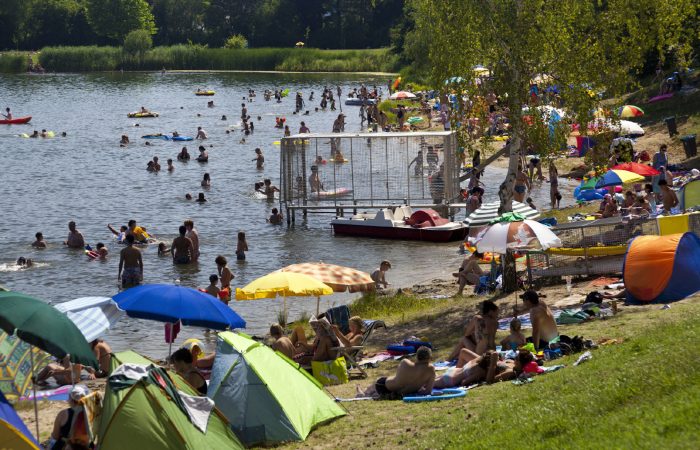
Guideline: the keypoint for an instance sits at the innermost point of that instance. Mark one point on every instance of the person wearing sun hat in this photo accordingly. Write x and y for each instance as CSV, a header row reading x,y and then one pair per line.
x,y
65,430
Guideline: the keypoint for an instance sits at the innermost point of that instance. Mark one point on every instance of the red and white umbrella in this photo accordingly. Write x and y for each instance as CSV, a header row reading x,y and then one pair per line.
x,y
522,235
402,95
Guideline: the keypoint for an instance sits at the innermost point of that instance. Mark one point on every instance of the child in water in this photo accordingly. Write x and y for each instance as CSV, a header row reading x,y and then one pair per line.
x,y
163,250
102,250
241,246
213,289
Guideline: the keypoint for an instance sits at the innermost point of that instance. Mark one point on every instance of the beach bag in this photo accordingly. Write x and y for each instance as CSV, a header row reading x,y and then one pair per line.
x,y
330,372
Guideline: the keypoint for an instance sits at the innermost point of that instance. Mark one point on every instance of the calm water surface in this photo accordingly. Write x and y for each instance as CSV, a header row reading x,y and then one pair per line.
x,y
88,178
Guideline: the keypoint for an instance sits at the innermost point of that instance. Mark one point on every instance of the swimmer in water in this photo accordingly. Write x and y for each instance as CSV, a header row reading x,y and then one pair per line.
x,y
200,198
201,134
124,140
203,155
170,165
24,262
102,250
188,196
259,159
163,250
275,218
39,243
268,189
223,117
206,181
35,134
121,234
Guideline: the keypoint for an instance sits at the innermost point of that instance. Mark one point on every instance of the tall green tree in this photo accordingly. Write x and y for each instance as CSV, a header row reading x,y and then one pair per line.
x,y
583,45
116,18
180,21
13,14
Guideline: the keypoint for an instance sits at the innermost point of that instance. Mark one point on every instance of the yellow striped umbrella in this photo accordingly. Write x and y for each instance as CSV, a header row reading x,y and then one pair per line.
x,y
286,284
339,278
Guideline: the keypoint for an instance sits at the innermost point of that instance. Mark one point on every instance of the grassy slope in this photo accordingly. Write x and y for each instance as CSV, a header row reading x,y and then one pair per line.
x,y
643,393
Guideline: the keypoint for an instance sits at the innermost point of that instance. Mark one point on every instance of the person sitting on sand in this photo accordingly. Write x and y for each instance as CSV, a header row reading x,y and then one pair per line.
x,y
379,275
322,348
63,372
275,217
103,354
355,336
668,196
410,379
203,155
479,334
282,343
469,272
544,327
75,238
213,288
182,248
39,243
66,432
515,339
183,155
184,366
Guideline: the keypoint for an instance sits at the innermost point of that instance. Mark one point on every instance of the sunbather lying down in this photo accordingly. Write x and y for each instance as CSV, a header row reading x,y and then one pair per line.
x,y
485,368
411,378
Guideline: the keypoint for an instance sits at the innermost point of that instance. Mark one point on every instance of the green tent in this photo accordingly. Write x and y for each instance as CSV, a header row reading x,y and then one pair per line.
x,y
143,416
266,397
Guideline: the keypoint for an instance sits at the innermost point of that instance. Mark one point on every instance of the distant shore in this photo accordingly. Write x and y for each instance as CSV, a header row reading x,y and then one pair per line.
x,y
195,58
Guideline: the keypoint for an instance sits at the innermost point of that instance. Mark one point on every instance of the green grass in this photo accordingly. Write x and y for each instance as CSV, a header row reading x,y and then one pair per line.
x,y
641,393
195,57
388,106
14,62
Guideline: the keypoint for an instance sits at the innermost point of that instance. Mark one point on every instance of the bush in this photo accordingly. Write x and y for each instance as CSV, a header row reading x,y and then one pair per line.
x,y
13,62
236,41
137,43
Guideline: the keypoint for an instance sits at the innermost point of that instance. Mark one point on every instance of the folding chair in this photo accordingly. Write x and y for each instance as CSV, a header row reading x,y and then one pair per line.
x,y
340,316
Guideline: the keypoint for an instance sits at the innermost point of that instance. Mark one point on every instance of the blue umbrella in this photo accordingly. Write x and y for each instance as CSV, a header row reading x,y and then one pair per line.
x,y
171,303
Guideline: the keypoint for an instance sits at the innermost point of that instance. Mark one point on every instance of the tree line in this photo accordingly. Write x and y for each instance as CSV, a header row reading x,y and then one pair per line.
x,y
336,24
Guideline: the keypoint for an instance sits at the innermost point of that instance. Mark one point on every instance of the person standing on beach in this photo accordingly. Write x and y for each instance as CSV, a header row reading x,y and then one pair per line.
x,y
75,238
182,248
193,235
522,185
553,183
130,264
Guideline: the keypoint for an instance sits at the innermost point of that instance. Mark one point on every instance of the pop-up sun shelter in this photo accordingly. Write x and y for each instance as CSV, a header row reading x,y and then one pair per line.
x,y
13,432
662,269
690,195
266,397
144,416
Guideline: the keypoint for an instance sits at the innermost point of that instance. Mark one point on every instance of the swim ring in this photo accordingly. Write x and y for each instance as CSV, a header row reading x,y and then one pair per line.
x,y
204,93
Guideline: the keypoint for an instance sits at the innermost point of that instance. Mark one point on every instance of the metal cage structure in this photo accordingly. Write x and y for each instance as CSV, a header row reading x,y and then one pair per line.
x,y
338,171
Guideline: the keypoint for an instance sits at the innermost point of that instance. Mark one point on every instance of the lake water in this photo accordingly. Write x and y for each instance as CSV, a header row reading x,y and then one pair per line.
x,y
88,178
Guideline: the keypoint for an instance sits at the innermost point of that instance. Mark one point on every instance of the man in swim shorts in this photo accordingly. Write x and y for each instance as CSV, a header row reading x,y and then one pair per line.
x,y
130,264
544,327
410,378
75,238
182,248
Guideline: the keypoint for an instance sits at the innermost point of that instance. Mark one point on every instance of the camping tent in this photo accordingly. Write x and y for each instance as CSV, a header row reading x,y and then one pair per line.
x,y
16,367
690,195
266,397
662,269
144,416
13,432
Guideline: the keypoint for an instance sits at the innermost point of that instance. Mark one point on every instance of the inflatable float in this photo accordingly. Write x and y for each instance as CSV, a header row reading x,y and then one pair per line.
x,y
16,121
49,134
139,115
443,394
204,93
612,250
165,137
333,193
659,98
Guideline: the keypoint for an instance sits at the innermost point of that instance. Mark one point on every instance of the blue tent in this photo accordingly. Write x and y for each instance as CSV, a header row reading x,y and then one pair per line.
x,y
13,432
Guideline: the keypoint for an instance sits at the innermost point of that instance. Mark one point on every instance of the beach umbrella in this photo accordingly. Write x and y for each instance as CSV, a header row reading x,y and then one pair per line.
x,y
516,235
589,183
402,95
41,325
630,111
454,80
481,71
286,284
628,128
640,169
489,211
172,303
338,278
92,315
617,177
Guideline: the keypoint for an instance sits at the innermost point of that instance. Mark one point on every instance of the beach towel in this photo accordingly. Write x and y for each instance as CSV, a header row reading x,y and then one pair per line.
x,y
92,407
57,394
672,224
372,361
